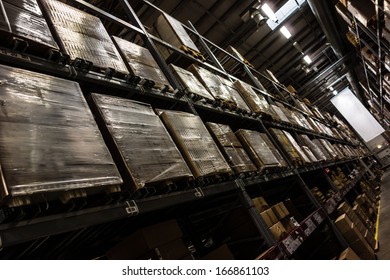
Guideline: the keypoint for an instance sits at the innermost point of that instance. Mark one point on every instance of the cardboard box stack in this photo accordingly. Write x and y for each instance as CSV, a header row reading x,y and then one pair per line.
x,y
160,241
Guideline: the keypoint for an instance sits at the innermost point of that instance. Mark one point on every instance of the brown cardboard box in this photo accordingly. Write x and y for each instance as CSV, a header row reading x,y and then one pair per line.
x,y
363,249
278,230
288,224
280,210
145,240
221,253
269,217
348,254
260,204
364,11
173,250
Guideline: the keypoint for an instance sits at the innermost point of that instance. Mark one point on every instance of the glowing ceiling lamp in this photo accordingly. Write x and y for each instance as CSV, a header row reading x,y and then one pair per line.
x,y
285,32
268,11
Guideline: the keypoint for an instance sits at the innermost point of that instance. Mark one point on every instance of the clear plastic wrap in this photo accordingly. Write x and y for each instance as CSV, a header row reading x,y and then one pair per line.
x,y
320,145
257,149
314,125
190,83
30,6
297,147
83,36
212,83
329,148
195,143
309,154
141,62
145,146
285,143
232,148
313,147
281,116
304,121
256,102
297,119
274,150
235,94
29,25
172,32
49,140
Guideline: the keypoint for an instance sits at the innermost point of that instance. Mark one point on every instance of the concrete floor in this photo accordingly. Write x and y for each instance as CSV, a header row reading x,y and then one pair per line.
x,y
384,218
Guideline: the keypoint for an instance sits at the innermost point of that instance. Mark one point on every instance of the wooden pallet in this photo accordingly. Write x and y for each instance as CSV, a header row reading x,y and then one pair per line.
x,y
192,52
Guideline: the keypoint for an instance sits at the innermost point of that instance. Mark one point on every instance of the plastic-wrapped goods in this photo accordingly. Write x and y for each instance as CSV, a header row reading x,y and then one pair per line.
x,y
146,149
309,154
257,103
235,94
320,145
329,147
212,83
297,147
257,149
195,143
313,147
303,120
140,62
279,113
231,148
301,105
49,141
339,153
274,150
285,143
24,19
286,112
297,119
190,83
317,113
314,125
173,32
83,36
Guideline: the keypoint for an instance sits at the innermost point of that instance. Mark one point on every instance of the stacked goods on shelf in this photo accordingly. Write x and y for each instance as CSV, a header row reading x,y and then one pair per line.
x,y
24,20
275,151
354,237
309,154
368,188
287,113
329,148
297,147
279,114
172,31
241,104
313,148
314,125
230,64
366,209
257,149
349,255
287,146
213,84
232,148
49,141
141,63
363,11
191,84
195,143
338,178
159,241
83,36
257,103
324,151
144,151
319,195
303,107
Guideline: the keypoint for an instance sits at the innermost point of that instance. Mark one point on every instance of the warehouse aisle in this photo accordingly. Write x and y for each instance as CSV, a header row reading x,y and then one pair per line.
x,y
384,218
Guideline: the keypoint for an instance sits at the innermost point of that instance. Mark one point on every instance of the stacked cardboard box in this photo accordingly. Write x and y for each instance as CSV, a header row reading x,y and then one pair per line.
x,y
231,147
235,94
82,35
271,146
257,149
364,11
287,146
140,62
260,204
144,149
322,148
279,114
354,238
297,147
257,103
24,19
49,141
195,143
159,241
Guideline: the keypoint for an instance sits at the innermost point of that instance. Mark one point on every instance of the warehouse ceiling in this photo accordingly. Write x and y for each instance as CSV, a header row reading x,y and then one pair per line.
x,y
229,22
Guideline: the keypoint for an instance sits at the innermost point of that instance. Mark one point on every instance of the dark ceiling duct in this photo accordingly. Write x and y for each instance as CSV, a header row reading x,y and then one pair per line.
x,y
323,11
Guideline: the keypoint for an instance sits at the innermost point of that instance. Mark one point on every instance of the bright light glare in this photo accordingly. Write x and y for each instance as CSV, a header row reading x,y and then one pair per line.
x,y
268,11
331,88
285,32
335,92
307,59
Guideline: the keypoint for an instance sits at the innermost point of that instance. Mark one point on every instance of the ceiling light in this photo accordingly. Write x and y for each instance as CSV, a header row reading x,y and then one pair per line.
x,y
285,32
258,17
307,59
268,11
331,88
335,92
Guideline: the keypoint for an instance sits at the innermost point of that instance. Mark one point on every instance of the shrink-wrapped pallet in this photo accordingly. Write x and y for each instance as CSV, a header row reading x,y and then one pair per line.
x,y
257,103
195,143
213,84
286,145
24,19
274,150
329,148
297,147
320,145
279,114
257,149
82,35
313,147
49,141
234,93
190,83
143,147
231,147
309,154
140,62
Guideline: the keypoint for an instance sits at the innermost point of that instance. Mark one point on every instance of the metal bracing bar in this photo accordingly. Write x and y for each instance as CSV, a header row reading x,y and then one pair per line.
x,y
379,5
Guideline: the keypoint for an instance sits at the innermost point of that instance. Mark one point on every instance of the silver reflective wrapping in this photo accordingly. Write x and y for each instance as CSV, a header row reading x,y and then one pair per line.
x,y
286,144
313,147
25,20
280,114
49,140
195,143
297,147
234,94
83,36
232,148
274,150
320,145
256,102
149,153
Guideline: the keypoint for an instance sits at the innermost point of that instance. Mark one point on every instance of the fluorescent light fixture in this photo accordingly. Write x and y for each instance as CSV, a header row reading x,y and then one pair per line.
x,y
331,88
268,11
285,32
335,92
307,59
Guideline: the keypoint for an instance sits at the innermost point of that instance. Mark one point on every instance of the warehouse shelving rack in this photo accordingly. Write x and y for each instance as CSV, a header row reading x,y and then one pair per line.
x,y
30,230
